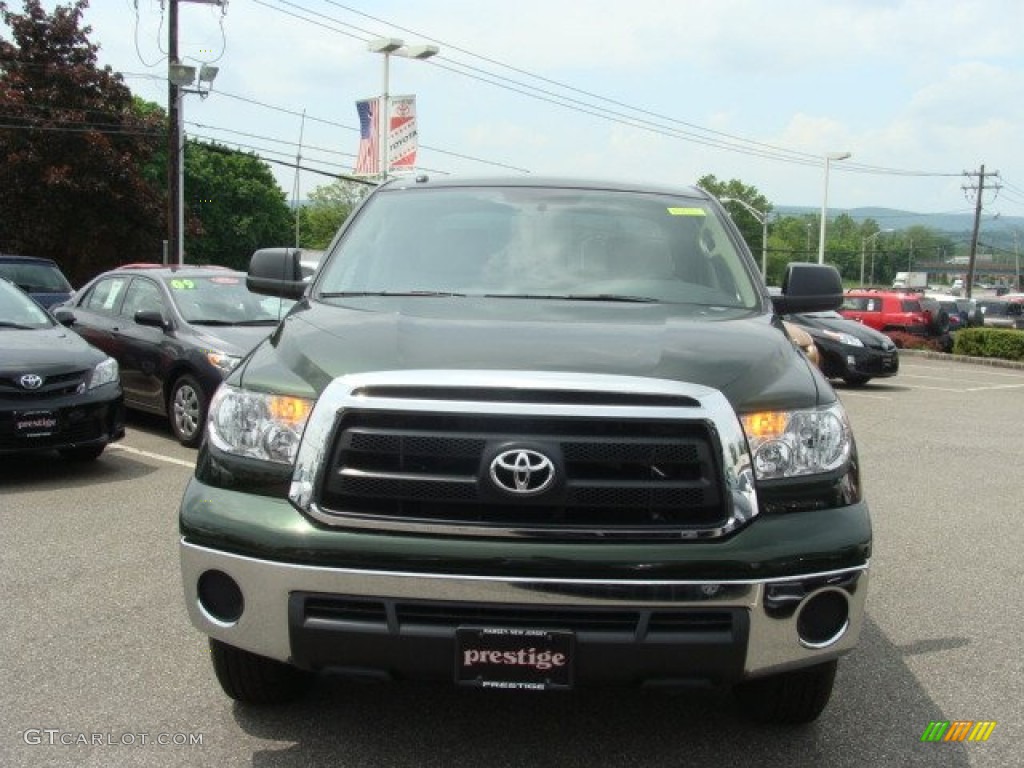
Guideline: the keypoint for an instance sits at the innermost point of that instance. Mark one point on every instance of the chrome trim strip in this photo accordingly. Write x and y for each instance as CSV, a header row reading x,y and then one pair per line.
x,y
266,585
344,393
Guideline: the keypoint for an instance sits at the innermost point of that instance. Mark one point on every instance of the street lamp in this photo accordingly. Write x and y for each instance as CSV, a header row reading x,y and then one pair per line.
x,y
863,247
824,202
388,47
762,218
182,75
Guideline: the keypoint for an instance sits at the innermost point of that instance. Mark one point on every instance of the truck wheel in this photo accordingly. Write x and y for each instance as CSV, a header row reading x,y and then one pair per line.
x,y
252,679
789,697
187,410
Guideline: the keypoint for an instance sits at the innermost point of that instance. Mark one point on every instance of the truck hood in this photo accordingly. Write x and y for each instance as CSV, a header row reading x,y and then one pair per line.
x,y
739,352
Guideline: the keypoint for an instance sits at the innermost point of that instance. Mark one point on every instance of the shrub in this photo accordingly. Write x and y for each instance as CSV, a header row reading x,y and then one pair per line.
x,y
905,340
1002,343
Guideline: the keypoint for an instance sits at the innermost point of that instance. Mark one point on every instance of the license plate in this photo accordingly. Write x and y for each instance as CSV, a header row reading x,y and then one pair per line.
x,y
36,423
502,657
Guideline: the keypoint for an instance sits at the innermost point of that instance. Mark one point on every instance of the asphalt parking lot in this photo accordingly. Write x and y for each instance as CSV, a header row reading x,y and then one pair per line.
x,y
97,646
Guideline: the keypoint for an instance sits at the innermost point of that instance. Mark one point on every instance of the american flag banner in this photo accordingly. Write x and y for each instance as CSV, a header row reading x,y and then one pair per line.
x,y
368,159
402,134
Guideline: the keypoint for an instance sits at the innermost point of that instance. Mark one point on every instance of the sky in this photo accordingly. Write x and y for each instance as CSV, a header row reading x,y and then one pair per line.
x,y
918,91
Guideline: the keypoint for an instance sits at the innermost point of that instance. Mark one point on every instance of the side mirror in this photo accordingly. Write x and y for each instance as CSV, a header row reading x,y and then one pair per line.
x,y
152,318
809,288
276,272
64,316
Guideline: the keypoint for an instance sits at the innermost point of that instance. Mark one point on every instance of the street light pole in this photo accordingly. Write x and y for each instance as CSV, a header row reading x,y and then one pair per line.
x,y
388,47
762,219
824,202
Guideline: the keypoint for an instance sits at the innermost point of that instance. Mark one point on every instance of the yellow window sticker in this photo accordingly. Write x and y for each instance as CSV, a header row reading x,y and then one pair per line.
x,y
687,212
182,285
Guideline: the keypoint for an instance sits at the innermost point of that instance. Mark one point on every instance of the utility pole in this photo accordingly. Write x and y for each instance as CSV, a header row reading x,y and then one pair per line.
x,y
977,226
175,247
175,145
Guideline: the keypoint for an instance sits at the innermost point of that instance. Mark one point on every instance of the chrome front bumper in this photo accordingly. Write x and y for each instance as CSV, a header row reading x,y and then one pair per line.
x,y
773,606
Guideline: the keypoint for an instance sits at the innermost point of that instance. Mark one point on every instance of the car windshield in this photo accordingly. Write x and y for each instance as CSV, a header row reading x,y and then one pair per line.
x,y
35,277
19,311
223,300
532,242
994,308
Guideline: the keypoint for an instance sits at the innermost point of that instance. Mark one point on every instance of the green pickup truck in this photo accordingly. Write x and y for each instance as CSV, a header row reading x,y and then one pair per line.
x,y
533,434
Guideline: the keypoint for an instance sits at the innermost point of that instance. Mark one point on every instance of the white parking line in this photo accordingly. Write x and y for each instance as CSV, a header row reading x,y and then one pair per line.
x,y
151,455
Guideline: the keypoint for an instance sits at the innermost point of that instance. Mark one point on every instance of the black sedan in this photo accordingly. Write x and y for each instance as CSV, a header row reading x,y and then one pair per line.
x,y
849,350
176,332
56,391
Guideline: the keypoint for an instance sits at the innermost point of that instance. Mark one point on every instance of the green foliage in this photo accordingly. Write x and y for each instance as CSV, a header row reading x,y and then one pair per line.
x,y
71,149
233,206
329,206
1002,343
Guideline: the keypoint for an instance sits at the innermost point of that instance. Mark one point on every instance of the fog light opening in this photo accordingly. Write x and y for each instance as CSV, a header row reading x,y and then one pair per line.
x,y
823,618
220,597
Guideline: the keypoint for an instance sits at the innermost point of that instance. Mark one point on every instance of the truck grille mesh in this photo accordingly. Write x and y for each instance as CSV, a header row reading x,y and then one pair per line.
x,y
429,468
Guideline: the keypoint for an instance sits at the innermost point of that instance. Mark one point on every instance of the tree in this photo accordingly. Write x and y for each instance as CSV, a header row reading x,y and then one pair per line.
x,y
330,205
72,146
734,189
233,206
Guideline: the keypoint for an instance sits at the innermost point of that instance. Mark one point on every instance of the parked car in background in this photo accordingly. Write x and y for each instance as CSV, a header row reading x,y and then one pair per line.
x,y
56,391
1000,313
848,350
888,311
176,332
39,278
962,313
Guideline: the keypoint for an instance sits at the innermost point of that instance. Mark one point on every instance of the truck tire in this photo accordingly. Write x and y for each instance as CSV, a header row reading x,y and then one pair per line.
x,y
789,698
257,680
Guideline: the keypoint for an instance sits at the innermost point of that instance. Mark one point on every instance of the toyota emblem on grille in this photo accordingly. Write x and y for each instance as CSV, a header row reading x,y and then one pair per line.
x,y
31,381
522,471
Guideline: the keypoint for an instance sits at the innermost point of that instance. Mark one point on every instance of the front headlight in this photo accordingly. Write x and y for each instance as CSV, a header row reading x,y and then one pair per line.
x,y
798,443
257,425
105,372
224,362
844,338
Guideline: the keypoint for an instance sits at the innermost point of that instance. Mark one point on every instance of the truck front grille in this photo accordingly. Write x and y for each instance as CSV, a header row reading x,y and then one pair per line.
x,y
563,457
433,468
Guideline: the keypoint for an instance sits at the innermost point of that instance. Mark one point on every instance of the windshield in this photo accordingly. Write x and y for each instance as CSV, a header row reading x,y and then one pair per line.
x,y
35,277
540,242
223,300
19,311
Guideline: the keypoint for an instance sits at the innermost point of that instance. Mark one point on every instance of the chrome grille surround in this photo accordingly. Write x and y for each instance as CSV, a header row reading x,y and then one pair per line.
x,y
544,395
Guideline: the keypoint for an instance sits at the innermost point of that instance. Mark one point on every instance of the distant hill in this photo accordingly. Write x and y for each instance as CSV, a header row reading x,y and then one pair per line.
x,y
950,223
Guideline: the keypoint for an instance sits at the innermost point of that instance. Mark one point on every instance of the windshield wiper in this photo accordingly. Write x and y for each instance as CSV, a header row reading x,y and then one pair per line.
x,y
574,297
256,321
18,326
347,294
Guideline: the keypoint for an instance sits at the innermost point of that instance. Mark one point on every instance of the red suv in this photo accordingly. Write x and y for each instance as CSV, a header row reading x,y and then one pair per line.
x,y
887,311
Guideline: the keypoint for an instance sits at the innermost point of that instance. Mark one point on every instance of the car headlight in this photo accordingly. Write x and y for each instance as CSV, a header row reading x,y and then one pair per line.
x,y
844,338
224,362
257,425
798,443
105,372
